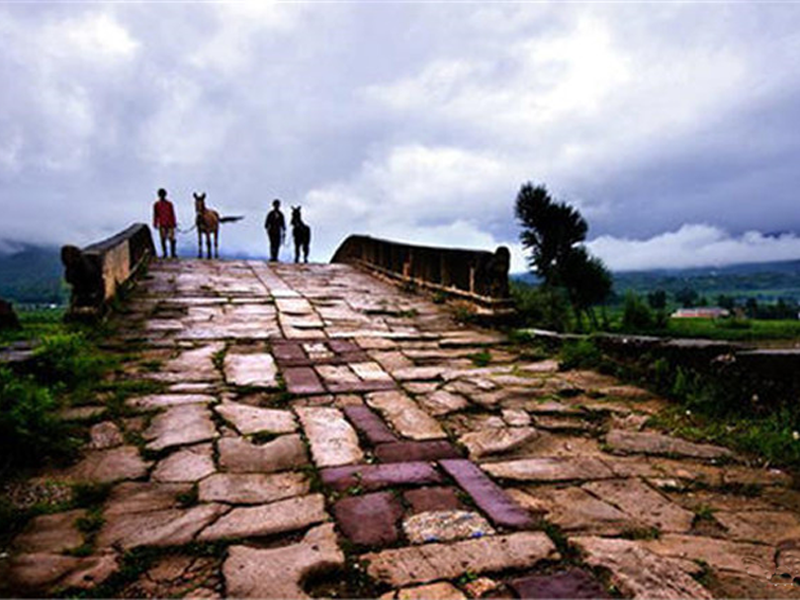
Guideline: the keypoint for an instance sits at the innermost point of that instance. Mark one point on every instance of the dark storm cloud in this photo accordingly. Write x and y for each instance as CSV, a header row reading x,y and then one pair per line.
x,y
670,127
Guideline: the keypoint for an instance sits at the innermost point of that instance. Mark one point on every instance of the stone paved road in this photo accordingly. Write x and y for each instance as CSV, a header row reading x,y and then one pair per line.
x,y
309,430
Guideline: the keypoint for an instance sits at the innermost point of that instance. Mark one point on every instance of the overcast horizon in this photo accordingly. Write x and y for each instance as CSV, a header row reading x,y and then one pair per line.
x,y
671,127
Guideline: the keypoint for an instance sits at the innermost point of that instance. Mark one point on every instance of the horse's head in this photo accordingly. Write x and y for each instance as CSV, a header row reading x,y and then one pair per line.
x,y
296,217
199,202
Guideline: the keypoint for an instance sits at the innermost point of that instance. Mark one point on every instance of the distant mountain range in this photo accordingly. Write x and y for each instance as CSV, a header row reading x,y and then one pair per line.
x,y
766,281
32,274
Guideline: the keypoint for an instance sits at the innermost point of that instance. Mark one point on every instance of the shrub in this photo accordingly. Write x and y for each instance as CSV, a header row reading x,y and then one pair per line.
x,y
30,428
580,354
547,308
68,358
636,315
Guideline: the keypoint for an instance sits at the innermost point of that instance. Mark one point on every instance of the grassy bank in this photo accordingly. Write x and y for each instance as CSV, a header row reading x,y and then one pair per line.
x,y
708,406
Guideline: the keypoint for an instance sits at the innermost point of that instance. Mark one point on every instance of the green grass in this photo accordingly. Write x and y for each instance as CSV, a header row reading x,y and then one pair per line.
x,y
35,324
731,330
66,369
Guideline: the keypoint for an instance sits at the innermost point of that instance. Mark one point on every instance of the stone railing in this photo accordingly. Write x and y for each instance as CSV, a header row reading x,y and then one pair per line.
x,y
768,376
97,271
475,275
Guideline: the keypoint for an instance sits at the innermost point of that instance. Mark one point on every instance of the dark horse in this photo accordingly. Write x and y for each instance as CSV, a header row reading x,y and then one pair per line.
x,y
301,233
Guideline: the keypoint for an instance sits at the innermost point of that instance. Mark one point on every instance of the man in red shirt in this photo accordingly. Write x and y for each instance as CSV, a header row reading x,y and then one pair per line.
x,y
164,220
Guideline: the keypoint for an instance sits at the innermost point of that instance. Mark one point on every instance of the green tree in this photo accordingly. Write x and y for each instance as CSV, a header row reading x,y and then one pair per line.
x,y
553,232
550,231
687,297
657,299
587,281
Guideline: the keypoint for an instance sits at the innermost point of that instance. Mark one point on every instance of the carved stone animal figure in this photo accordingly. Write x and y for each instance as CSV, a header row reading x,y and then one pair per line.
x,y
301,233
207,221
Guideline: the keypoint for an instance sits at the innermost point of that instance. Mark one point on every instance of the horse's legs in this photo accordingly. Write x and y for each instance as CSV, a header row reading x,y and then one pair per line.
x,y
208,244
296,251
216,243
199,243
305,252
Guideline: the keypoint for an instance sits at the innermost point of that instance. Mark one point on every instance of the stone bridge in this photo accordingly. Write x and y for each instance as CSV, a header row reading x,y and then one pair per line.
x,y
296,430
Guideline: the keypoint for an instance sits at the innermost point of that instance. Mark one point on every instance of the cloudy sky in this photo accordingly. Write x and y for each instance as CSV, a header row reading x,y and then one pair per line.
x,y
672,127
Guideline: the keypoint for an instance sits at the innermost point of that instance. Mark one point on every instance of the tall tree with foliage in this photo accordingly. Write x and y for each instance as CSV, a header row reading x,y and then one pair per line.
x,y
550,231
553,232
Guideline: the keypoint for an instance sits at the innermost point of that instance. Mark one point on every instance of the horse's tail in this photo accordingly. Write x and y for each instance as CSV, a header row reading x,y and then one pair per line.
x,y
230,219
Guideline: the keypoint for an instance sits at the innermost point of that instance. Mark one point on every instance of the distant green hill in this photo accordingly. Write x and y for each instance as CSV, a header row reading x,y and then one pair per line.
x,y
33,275
767,281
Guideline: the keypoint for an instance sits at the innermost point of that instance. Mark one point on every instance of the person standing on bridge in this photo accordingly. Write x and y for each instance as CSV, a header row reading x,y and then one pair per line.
x,y
164,220
275,225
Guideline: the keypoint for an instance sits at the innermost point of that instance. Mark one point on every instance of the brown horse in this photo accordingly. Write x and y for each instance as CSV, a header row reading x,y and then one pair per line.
x,y
207,221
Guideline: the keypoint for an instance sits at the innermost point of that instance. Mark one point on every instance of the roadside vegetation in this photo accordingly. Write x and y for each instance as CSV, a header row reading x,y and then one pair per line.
x,y
715,405
63,371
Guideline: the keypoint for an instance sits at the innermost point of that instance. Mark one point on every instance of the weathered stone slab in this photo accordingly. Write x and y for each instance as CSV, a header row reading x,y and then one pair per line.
x,y
442,402
414,451
370,371
433,499
51,533
431,562
445,526
252,488
268,519
487,442
550,468
105,435
516,418
180,426
104,466
764,526
574,509
294,306
38,573
639,572
196,364
169,400
246,370
370,425
135,497
572,583
302,381
333,441
237,455
334,375
252,419
644,442
288,352
643,504
405,416
754,559
171,527
434,591
186,465
373,477
369,520
81,413
418,374
487,495
280,572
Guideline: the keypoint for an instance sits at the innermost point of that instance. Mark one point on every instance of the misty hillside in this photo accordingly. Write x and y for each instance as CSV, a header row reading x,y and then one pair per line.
x,y
764,281
32,275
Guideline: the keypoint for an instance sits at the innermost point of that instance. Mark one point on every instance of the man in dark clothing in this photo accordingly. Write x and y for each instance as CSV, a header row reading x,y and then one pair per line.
x,y
275,225
164,221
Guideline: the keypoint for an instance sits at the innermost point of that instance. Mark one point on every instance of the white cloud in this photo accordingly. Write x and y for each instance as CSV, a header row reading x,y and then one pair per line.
x,y
186,129
693,246
239,27
91,38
